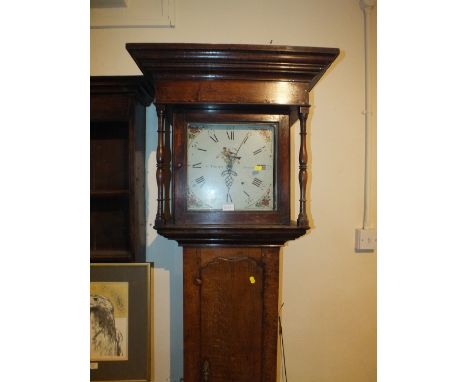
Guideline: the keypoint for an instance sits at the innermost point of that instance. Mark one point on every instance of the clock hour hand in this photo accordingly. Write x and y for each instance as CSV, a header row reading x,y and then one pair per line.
x,y
231,156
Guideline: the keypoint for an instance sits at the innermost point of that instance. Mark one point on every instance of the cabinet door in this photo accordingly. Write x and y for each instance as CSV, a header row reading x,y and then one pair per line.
x,y
231,311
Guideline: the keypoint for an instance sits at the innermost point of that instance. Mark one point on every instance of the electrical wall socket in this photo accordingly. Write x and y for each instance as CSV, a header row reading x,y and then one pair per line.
x,y
366,240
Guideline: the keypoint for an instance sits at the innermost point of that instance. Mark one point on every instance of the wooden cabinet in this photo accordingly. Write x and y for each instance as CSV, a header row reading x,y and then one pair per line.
x,y
117,159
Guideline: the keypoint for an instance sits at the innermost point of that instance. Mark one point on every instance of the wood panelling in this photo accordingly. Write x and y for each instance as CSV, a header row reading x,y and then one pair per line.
x,y
233,92
230,313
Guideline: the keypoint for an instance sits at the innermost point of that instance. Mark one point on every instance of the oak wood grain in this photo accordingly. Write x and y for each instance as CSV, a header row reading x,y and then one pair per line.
x,y
230,313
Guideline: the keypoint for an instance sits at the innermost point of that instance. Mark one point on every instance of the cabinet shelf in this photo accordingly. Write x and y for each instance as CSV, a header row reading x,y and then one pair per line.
x,y
110,255
109,193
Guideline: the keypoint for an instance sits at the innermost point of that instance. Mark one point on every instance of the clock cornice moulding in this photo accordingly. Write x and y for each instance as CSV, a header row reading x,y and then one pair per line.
x,y
172,61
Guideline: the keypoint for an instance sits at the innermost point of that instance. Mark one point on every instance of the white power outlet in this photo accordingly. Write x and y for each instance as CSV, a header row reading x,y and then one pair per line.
x,y
366,240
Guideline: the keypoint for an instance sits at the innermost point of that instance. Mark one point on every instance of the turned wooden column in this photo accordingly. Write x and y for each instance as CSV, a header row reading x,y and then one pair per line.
x,y
302,219
160,181
167,170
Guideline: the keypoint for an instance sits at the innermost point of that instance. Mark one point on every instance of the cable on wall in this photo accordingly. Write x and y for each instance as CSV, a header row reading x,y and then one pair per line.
x,y
283,353
367,6
366,236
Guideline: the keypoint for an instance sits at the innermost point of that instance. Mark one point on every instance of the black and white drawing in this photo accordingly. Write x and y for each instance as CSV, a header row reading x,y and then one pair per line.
x,y
108,321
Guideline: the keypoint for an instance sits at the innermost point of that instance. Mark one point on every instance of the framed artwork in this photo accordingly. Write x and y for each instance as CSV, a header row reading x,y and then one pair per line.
x,y
132,14
120,322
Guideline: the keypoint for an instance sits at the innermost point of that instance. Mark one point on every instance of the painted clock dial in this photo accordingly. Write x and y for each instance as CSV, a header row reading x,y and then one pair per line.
x,y
231,166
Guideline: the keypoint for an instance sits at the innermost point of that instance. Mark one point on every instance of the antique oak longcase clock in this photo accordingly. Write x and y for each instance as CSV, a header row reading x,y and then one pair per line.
x,y
223,176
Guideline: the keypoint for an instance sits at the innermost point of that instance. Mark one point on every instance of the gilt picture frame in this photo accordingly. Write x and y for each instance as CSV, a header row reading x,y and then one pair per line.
x,y
121,313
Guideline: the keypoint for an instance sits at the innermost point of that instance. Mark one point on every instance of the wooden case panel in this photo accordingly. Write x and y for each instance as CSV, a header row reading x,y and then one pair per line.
x,y
230,319
231,311
232,92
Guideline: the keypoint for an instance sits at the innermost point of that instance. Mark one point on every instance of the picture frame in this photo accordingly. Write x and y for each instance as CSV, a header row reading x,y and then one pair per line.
x,y
121,316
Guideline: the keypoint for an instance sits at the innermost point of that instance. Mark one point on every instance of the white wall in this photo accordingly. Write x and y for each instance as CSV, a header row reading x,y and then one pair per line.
x,y
329,291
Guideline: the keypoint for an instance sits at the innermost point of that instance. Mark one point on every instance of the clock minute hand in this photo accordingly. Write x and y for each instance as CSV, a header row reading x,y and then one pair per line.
x,y
244,140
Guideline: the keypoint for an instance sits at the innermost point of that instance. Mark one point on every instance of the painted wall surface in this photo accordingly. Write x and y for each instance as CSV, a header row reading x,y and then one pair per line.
x,y
328,290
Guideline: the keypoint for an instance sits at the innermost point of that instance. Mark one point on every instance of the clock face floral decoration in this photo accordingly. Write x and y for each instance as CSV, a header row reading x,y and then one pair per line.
x,y
231,166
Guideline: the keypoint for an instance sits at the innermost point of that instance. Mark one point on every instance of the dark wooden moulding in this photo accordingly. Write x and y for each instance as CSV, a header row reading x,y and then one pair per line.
x,y
230,260
117,116
230,79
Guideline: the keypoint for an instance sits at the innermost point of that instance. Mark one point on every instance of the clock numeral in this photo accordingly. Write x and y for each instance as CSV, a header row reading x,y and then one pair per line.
x,y
228,198
245,139
230,135
214,138
257,182
200,180
196,165
258,151
247,194
198,148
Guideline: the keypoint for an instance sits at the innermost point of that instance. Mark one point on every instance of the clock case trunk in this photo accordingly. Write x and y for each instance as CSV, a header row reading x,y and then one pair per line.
x,y
230,314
